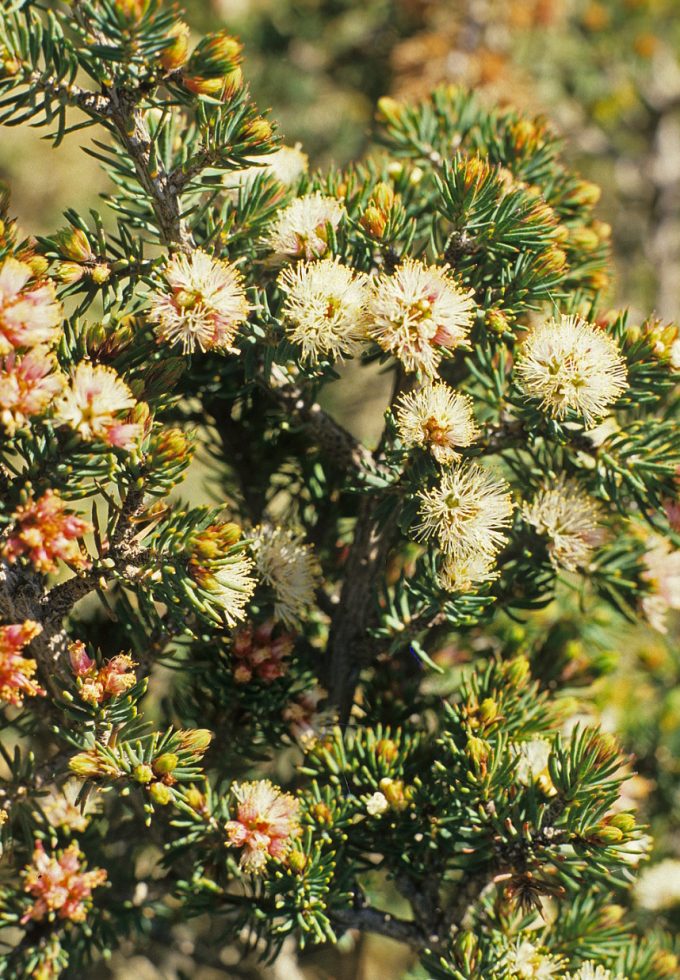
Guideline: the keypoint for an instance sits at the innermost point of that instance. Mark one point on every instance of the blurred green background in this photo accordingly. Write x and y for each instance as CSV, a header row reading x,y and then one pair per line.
x,y
608,75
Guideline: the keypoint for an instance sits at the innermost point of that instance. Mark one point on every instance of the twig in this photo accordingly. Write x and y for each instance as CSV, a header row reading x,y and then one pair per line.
x,y
373,920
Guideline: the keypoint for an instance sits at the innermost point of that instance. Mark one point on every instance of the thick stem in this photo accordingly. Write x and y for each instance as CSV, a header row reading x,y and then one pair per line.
x,y
372,920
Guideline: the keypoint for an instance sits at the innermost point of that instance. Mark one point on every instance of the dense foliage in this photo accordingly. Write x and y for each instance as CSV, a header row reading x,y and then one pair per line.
x,y
293,628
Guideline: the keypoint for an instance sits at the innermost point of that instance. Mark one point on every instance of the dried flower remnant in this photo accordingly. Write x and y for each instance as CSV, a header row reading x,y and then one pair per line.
x,y
569,364
325,308
662,575
466,512
92,406
60,884
438,419
259,653
303,717
204,305
570,519
98,684
45,531
28,384
17,673
30,313
290,568
417,312
222,570
266,823
301,230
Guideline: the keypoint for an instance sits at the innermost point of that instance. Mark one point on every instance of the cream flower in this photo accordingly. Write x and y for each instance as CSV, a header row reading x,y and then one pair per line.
x,y
227,583
204,305
28,384
570,364
662,573
290,568
286,165
418,310
301,229
466,512
658,887
438,419
528,962
570,519
589,971
93,403
462,573
30,313
325,308
376,804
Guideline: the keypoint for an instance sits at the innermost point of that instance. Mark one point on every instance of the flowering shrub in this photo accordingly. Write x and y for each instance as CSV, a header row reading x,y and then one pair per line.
x,y
353,608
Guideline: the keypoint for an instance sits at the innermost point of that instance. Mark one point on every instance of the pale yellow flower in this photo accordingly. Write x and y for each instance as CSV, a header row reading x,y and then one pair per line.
x,y
301,229
202,305
570,364
571,521
463,572
418,311
92,405
325,308
466,512
290,568
438,419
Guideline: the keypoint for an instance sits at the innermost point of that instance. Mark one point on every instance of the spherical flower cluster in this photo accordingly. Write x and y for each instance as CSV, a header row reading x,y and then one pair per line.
x,y
30,313
590,971
266,823
286,165
290,568
92,406
325,308
662,575
571,521
17,673
62,810
461,573
528,962
45,531
98,684
301,230
569,364
28,383
658,887
204,305
417,311
59,884
438,419
376,804
222,570
466,512
261,654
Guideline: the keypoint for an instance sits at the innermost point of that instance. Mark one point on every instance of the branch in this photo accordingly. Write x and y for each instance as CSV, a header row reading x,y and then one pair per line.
x,y
340,445
373,920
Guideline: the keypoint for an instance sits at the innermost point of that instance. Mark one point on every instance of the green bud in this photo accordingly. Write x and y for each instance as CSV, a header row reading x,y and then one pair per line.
x,y
142,773
624,821
160,794
488,711
165,763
